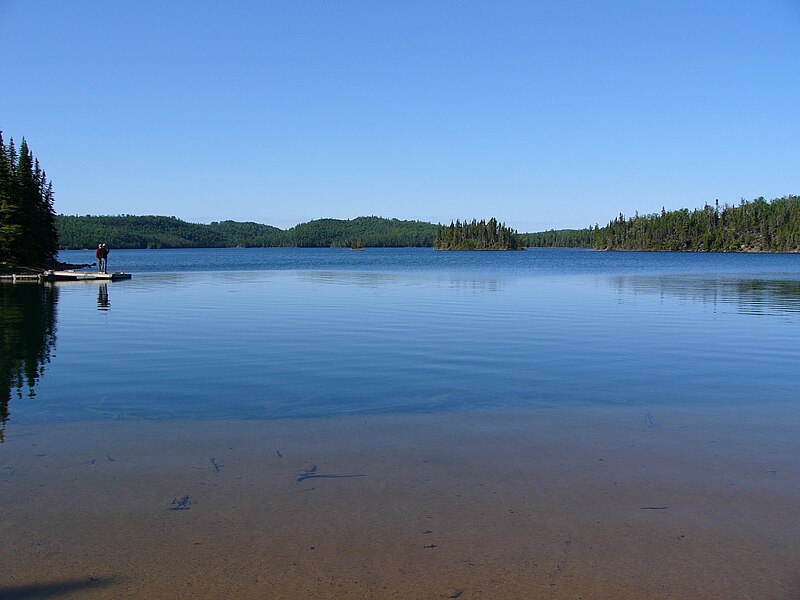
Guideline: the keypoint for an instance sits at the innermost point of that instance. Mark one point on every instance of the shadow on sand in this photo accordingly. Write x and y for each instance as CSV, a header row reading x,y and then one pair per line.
x,y
53,589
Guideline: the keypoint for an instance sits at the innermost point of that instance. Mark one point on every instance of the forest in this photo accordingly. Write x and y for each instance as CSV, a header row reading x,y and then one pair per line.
x,y
375,232
758,225
751,226
28,235
128,231
559,238
477,235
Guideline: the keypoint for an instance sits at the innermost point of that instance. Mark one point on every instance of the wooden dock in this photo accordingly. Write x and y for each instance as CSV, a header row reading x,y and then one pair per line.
x,y
84,276
15,277
64,276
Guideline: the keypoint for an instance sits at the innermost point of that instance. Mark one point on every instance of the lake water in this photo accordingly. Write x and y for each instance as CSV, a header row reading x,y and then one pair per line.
x,y
403,423
275,333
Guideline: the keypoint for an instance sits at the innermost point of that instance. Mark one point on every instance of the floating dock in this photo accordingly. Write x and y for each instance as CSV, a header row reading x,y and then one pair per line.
x,y
84,276
21,277
65,276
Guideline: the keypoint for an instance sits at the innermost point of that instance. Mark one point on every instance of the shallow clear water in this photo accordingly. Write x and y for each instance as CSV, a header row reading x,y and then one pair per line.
x,y
274,333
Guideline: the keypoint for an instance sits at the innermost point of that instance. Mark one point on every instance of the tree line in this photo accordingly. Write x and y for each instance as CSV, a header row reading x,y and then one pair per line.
x,y
30,232
758,225
751,226
28,235
375,232
477,235
559,238
128,231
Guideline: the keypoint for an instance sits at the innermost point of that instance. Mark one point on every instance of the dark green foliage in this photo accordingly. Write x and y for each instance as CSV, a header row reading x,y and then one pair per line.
x,y
559,238
374,232
129,231
477,235
27,336
28,234
245,235
757,226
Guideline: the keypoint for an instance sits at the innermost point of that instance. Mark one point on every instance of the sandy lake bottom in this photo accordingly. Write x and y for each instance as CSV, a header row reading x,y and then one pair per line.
x,y
617,502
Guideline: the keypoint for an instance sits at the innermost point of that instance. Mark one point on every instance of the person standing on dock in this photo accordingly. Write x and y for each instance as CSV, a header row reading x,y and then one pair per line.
x,y
105,258
102,258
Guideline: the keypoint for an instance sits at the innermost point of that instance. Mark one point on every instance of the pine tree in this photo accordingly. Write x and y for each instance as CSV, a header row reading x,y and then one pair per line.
x,y
10,229
4,199
49,229
28,234
477,235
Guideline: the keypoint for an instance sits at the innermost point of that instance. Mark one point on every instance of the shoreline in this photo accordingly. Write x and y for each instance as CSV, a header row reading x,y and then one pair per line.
x,y
22,272
673,503
751,251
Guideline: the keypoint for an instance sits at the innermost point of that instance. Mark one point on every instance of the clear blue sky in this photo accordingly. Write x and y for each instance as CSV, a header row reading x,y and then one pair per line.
x,y
544,114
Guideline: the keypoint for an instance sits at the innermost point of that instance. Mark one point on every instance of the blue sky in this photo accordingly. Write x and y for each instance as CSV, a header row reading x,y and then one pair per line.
x,y
543,114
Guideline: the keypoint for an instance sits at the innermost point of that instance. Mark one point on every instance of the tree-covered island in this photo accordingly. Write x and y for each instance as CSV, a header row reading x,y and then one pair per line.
x,y
477,235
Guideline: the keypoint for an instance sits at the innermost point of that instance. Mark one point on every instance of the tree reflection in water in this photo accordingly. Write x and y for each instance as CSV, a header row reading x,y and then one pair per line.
x,y
27,338
749,296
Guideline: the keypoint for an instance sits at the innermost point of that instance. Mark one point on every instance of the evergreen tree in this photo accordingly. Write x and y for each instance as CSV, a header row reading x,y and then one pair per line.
x,y
28,235
751,226
10,210
5,202
26,190
476,235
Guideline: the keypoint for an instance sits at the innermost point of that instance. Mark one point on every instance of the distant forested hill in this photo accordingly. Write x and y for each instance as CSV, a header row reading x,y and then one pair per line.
x,y
759,225
128,231
559,238
369,231
756,226
246,234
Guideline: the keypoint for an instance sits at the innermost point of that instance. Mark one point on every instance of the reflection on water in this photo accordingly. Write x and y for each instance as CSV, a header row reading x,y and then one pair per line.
x,y
751,296
349,278
477,286
27,337
455,281
102,297
291,344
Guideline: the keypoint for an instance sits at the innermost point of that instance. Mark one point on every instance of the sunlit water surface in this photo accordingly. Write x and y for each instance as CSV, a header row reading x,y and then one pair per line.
x,y
276,333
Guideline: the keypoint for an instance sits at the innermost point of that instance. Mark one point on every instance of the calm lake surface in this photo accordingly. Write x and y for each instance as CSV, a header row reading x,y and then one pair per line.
x,y
280,333
403,423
